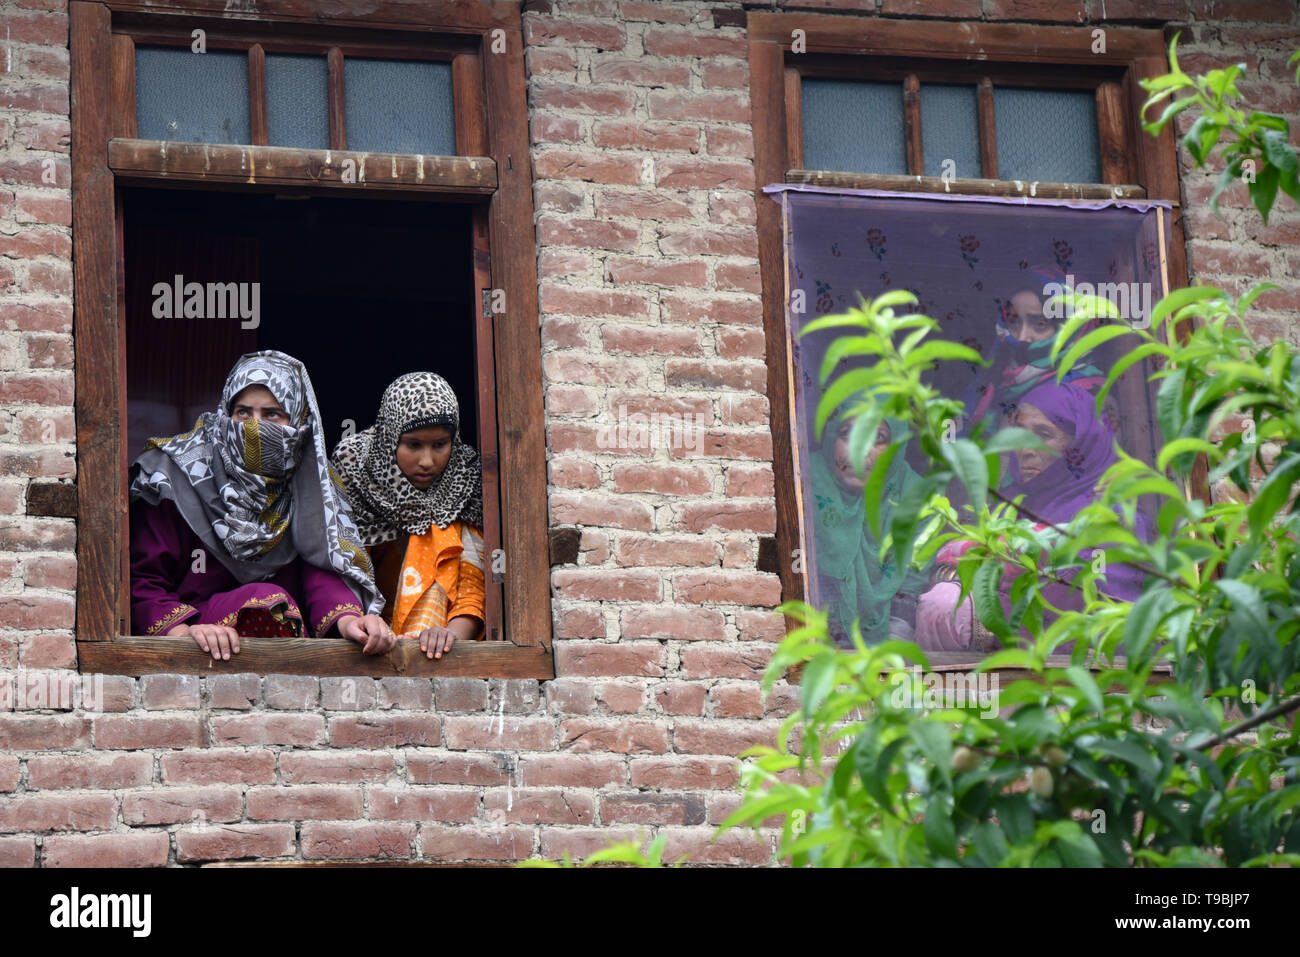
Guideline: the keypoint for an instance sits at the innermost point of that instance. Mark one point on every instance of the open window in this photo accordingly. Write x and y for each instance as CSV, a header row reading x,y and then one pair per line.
x,y
371,181
850,112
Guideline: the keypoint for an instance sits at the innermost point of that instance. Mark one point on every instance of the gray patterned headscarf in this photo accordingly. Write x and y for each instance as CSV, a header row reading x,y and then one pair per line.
x,y
242,485
383,500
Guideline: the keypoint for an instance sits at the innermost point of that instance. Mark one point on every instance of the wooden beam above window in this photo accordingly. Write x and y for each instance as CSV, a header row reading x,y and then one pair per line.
x,y
324,657
977,187
278,165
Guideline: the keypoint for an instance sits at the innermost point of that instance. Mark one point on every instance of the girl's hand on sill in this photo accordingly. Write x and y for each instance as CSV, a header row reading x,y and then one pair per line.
x,y
435,642
217,640
371,632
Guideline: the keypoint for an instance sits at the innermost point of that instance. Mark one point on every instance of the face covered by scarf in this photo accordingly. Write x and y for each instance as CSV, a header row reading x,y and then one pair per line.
x,y
384,501
241,486
847,557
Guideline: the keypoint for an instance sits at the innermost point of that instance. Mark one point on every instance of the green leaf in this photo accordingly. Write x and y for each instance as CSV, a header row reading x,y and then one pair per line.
x,y
1182,297
1005,440
1144,619
933,740
1264,190
988,603
1273,494
940,837
1124,362
818,679
969,466
874,491
1183,447
1169,404
1278,151
1226,179
940,349
1082,679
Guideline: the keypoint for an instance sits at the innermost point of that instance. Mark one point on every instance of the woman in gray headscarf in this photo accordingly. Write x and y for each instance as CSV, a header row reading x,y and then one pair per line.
x,y
236,520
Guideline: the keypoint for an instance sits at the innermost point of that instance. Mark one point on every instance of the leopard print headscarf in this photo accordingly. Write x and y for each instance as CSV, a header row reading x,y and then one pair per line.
x,y
384,502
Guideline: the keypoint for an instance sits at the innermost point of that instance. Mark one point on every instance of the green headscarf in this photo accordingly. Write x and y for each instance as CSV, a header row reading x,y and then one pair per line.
x,y
847,557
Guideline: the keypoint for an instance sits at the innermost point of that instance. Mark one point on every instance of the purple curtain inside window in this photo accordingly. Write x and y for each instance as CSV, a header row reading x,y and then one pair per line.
x,y
984,268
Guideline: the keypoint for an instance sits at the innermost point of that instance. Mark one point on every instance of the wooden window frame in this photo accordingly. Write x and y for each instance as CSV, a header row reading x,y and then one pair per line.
x,y
494,171
1134,164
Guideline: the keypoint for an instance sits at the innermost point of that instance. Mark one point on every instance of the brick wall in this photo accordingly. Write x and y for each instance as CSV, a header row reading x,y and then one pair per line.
x,y
642,152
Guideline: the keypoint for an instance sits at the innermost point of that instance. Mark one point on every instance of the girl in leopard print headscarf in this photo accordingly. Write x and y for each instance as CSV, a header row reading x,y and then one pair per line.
x,y
417,498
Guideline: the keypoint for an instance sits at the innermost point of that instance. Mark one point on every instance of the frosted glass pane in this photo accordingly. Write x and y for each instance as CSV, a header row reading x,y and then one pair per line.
x,y
950,129
297,101
853,127
1047,135
191,97
397,106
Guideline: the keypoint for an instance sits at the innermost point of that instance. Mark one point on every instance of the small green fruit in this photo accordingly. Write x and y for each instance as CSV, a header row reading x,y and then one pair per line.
x,y
1040,782
1055,756
964,759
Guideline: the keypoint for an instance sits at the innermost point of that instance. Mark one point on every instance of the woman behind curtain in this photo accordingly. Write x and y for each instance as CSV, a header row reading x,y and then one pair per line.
x,y
237,529
417,493
855,584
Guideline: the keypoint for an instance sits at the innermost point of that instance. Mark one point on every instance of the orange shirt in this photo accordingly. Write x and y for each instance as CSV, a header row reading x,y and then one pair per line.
x,y
440,578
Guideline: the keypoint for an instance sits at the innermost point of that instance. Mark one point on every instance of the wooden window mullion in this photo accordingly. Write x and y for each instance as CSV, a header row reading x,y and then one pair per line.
x,y
794,118
257,106
467,104
1113,131
338,104
124,121
988,130
912,124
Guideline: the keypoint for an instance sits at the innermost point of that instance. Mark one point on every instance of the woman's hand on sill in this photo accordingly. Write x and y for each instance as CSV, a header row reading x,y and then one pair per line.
x,y
370,631
435,642
217,640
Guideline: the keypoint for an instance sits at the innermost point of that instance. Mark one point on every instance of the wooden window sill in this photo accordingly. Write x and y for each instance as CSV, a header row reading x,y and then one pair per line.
x,y
323,657
957,187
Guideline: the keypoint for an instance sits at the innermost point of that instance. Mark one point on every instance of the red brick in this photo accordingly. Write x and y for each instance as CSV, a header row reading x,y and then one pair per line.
x,y
384,730
662,479
292,692
1056,11
552,31
58,812
219,767
38,611
559,196
636,551
594,370
644,135
622,270
642,205
651,808
1215,260
588,302
149,849
738,278
547,128
600,659
749,481
563,695
9,772
235,691
34,206
594,548
235,842
47,652
621,697
588,167
558,262
737,701
295,730
738,516
727,587
740,343
31,732
501,733
460,694
948,8
695,241
571,399
674,173
555,230
698,846
681,697
667,41
507,806
760,626
476,843
783,700
347,694
543,60
731,208
695,307
477,770
336,767
96,771
1245,11
641,72
572,770
653,10
640,340
170,692
18,852
581,843
606,584
177,805
304,802
54,278
580,735
423,804
716,737
578,622
38,132
711,661
737,551
742,375
30,243
41,28
694,773
50,571
406,694
670,621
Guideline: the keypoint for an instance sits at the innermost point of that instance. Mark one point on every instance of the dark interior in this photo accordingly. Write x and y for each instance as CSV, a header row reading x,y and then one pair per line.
x,y
361,290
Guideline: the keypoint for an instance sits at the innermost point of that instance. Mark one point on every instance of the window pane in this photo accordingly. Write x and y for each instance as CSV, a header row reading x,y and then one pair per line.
x,y
191,97
398,106
853,127
950,129
1047,135
297,101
